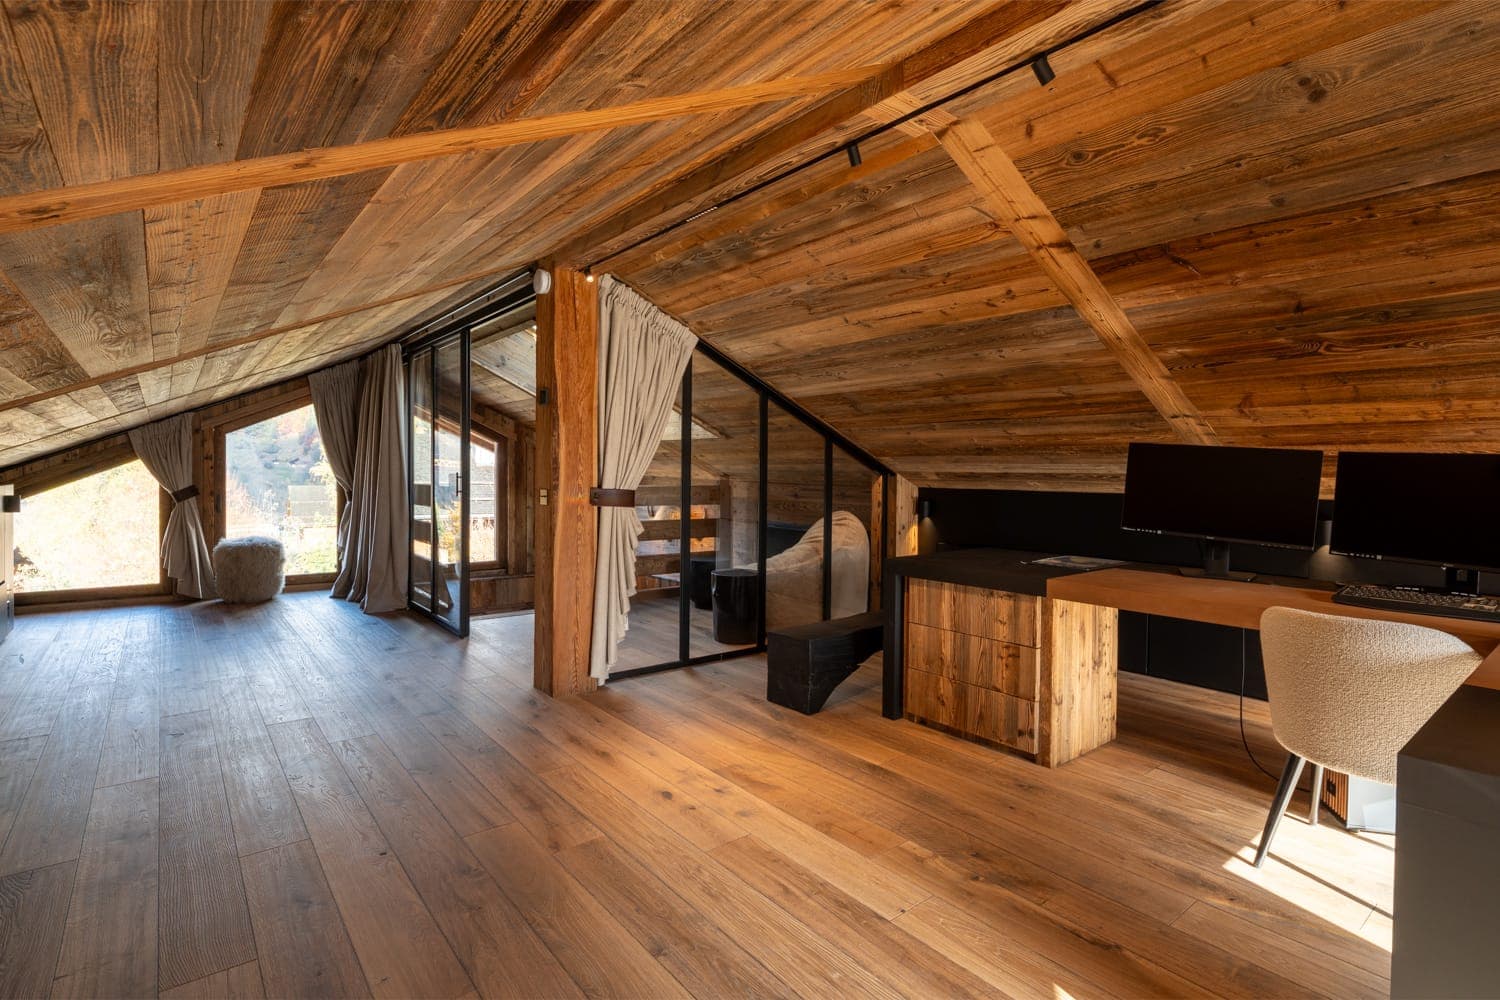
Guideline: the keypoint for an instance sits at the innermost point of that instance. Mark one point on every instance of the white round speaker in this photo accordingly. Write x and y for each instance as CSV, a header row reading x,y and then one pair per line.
x,y
541,281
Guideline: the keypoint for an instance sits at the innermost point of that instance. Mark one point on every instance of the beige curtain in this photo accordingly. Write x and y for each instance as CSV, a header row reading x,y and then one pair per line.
x,y
335,396
373,571
642,355
165,448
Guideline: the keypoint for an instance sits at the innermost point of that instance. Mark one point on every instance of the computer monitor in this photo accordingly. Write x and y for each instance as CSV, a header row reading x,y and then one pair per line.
x,y
1420,507
1265,496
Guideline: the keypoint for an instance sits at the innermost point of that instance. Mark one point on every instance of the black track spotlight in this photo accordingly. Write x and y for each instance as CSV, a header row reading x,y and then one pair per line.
x,y
924,509
1043,70
854,158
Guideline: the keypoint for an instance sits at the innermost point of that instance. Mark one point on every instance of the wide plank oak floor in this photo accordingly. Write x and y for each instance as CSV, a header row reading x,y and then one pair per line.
x,y
296,800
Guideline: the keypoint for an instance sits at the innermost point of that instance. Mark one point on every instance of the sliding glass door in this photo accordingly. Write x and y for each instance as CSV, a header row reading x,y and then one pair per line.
x,y
439,476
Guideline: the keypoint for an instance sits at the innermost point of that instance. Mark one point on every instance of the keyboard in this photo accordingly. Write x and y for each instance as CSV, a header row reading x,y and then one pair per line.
x,y
1419,602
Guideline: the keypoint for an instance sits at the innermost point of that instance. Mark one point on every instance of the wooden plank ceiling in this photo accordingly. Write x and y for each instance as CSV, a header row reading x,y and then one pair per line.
x,y
1290,204
111,321
1293,203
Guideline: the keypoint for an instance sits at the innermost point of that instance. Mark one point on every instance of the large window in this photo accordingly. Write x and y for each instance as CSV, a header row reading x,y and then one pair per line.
x,y
486,501
103,530
277,483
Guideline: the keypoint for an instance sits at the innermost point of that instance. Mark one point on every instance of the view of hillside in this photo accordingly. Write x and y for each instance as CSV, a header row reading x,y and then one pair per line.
x,y
278,484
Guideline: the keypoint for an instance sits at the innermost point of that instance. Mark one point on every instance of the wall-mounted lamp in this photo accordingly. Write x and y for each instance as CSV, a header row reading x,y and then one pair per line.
x,y
541,281
924,509
10,504
854,158
588,275
1043,70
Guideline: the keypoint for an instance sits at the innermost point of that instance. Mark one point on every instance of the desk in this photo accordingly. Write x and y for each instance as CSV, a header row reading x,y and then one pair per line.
x,y
1232,602
1069,708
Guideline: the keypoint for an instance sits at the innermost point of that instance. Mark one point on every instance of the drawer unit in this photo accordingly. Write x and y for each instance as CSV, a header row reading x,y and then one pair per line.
x,y
1028,673
971,711
973,659
993,614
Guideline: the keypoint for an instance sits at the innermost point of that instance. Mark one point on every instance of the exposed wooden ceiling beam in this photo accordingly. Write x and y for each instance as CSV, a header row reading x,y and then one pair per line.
x,y
603,236
36,209
249,338
1023,212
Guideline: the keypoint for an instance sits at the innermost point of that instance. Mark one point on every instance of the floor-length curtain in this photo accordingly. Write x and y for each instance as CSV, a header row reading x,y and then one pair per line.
x,y
335,397
642,355
165,448
374,567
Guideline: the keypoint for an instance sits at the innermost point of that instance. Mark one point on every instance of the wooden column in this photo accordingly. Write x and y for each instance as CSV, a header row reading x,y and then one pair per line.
x,y
904,528
566,467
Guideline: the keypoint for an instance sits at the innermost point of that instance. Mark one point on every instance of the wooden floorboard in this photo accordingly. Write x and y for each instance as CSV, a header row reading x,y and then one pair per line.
x,y
297,800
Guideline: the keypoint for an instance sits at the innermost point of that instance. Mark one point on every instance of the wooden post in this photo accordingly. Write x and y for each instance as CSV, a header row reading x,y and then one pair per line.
x,y
905,532
566,468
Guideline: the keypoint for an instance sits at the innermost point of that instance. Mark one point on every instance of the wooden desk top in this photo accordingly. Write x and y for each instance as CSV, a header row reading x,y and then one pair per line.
x,y
1230,602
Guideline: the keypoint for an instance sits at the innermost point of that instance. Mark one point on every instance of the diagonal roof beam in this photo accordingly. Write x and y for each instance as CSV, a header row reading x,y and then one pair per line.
x,y
678,195
1019,208
37,209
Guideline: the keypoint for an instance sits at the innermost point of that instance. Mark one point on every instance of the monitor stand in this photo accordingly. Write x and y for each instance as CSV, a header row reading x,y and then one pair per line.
x,y
1458,580
1215,564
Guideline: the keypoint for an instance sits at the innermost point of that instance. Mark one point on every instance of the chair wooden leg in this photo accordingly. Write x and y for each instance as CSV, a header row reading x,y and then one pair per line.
x,y
1289,776
1317,794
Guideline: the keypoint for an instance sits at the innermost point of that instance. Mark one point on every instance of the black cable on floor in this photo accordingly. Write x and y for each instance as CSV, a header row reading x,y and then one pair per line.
x,y
1243,738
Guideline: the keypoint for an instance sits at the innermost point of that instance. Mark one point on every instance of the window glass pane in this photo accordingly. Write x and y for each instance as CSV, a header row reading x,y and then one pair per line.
x,y
794,521
420,412
726,488
277,483
854,488
99,531
485,501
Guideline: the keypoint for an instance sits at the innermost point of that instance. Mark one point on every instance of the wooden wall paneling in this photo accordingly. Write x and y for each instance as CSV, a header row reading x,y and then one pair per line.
x,y
567,467
905,527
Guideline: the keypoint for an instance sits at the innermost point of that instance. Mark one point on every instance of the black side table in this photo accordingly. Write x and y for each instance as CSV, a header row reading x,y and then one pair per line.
x,y
700,582
736,601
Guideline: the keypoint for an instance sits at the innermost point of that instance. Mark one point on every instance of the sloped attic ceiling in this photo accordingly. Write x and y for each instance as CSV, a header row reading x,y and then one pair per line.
x,y
114,320
1294,203
1291,201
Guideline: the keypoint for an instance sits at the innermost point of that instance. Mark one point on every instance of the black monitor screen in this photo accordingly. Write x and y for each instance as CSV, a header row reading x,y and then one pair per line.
x,y
1420,507
1268,496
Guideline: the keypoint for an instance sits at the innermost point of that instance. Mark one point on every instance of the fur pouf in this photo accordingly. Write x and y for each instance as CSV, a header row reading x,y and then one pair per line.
x,y
248,570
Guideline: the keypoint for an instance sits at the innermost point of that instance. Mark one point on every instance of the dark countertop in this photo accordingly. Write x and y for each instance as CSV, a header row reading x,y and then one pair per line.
x,y
996,569
1452,765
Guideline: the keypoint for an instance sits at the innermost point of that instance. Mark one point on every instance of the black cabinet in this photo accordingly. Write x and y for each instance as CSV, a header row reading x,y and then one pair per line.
x,y
1209,656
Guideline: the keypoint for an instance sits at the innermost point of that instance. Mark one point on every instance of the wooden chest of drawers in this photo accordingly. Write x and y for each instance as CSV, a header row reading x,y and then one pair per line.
x,y
978,663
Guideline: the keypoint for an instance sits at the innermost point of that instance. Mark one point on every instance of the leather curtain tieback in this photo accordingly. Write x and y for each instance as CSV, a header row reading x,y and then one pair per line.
x,y
186,493
611,498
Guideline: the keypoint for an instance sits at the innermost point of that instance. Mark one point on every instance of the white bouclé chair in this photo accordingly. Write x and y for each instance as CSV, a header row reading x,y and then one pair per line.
x,y
1348,693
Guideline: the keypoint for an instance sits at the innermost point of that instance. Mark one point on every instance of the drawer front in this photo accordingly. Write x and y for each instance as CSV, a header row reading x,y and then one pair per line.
x,y
993,614
972,659
972,710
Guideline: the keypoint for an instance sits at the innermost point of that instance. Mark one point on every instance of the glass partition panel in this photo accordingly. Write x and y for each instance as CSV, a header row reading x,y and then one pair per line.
x,y
655,619
450,472
795,456
423,535
723,578
854,488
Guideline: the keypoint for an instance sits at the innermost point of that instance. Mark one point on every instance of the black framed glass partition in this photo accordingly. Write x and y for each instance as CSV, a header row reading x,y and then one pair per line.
x,y
437,389
744,500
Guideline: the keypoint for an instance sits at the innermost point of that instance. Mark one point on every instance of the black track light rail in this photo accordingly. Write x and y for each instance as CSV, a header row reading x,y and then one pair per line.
x,y
1037,63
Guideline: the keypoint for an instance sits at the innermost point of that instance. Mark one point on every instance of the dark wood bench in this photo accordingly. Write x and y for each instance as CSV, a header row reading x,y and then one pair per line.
x,y
806,662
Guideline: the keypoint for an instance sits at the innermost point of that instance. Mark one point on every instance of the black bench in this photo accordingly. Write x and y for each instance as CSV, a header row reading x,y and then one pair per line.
x,y
806,662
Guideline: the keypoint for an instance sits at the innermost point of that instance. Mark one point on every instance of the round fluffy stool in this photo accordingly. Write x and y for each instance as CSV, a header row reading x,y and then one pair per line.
x,y
248,570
